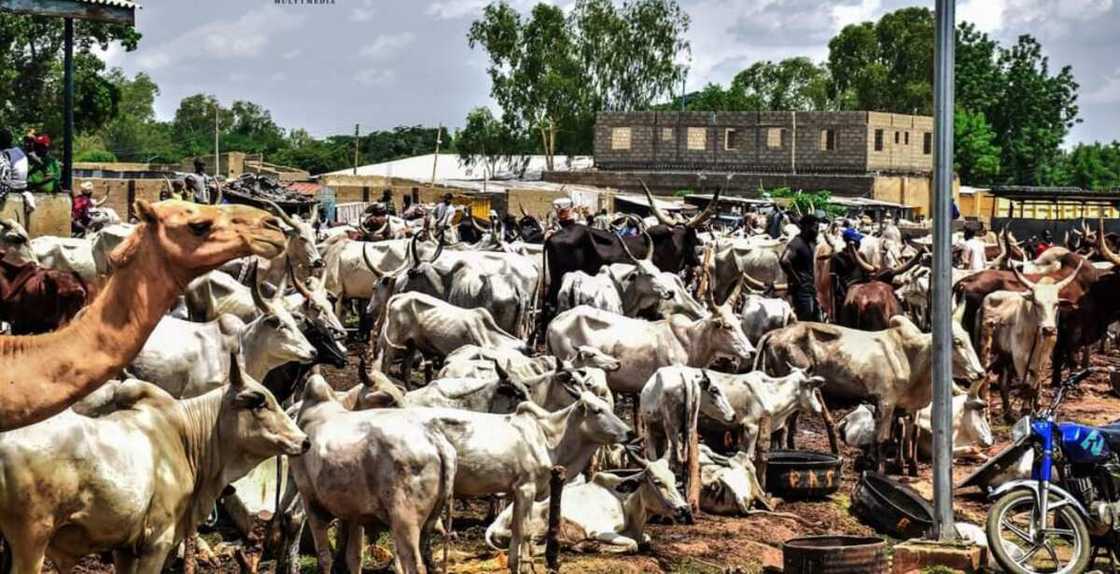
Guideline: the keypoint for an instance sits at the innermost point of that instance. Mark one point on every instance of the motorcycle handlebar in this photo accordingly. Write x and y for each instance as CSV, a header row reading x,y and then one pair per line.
x,y
1083,374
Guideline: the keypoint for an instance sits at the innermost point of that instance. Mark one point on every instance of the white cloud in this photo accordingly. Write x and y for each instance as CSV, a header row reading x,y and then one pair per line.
x,y
363,13
279,77
452,9
372,77
292,54
1107,93
986,14
386,45
243,38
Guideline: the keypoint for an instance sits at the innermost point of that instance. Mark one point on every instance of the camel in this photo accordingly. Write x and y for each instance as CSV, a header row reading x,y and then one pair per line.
x,y
42,375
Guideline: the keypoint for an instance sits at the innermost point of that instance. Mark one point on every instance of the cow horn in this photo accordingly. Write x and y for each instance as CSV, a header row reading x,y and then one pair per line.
x,y
863,263
439,249
889,275
221,195
710,209
478,227
660,215
369,264
1001,261
1105,250
752,283
235,377
301,288
649,250
413,253
629,253
1062,284
379,231
255,289
1019,275
108,191
278,212
522,208
734,296
975,404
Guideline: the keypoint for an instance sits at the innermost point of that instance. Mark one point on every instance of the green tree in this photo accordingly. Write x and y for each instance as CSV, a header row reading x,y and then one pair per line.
x,y
31,78
886,65
792,84
135,134
1093,166
976,155
485,141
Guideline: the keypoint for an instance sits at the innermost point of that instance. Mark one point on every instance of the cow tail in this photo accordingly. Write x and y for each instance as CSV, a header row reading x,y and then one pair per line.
x,y
446,490
691,412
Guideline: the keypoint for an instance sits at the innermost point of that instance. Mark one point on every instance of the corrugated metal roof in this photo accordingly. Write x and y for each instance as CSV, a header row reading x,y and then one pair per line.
x,y
114,3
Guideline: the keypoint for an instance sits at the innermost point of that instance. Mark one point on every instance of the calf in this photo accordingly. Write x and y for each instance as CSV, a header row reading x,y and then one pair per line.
x,y
353,472
415,321
756,395
869,306
136,482
670,405
970,426
608,514
857,428
763,314
514,454
1019,330
729,485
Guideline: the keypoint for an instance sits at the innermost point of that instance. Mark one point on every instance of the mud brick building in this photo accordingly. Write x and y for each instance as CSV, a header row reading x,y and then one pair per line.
x,y
883,156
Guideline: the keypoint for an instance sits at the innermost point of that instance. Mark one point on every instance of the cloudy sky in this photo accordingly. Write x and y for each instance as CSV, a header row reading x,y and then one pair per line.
x,y
383,63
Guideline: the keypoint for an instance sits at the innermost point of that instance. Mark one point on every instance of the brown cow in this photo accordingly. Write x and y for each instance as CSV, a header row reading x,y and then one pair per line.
x,y
869,306
38,300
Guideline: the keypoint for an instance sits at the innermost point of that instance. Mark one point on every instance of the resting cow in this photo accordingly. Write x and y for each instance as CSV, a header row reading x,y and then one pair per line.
x,y
135,482
608,514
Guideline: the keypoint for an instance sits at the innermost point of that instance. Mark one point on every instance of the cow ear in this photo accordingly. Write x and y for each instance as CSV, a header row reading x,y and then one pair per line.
x,y
145,212
630,484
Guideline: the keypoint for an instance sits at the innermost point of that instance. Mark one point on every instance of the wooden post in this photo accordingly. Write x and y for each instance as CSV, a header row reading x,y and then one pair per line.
x,y
190,553
447,533
552,540
131,199
762,450
829,425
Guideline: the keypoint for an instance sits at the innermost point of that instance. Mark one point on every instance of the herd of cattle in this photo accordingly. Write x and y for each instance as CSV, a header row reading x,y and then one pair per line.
x,y
526,348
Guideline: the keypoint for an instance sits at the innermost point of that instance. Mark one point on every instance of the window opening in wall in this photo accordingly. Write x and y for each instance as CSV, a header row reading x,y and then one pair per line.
x,y
828,140
731,139
878,140
774,138
697,139
620,139
927,143
666,134
896,138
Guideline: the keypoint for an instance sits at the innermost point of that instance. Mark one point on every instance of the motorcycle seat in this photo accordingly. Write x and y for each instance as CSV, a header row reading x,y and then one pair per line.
x,y
1111,433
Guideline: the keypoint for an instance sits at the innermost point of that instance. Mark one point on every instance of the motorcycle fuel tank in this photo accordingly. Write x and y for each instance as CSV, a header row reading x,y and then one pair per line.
x,y
1082,443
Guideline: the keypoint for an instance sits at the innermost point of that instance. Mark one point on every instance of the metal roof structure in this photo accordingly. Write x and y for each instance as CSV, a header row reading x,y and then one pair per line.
x,y
1031,194
114,11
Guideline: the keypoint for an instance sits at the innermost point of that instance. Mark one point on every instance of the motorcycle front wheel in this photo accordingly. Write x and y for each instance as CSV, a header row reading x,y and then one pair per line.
x,y
1019,548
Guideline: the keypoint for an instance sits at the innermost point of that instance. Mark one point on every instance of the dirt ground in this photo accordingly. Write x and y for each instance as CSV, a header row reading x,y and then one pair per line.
x,y
718,544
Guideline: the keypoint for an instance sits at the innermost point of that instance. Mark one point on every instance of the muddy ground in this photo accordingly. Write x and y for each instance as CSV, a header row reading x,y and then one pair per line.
x,y
715,544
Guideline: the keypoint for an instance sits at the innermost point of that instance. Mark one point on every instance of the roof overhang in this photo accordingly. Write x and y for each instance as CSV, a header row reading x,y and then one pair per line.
x,y
112,11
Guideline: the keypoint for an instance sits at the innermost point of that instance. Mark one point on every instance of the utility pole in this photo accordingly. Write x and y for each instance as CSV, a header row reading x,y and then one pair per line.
x,y
435,158
217,157
68,105
941,212
356,128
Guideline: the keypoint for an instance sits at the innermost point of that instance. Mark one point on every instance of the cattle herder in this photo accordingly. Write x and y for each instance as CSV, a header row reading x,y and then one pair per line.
x,y
797,263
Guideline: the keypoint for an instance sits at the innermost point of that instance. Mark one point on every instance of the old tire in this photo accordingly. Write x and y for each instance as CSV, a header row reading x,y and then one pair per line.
x,y
1025,500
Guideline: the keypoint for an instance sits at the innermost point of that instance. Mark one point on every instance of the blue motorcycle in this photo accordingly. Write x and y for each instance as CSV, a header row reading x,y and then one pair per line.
x,y
1069,507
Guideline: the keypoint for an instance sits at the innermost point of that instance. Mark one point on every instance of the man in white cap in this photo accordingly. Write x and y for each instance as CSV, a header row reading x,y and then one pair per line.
x,y
564,214
80,215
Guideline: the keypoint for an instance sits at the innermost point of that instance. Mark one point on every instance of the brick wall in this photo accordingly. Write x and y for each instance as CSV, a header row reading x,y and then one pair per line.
x,y
908,154
51,215
743,184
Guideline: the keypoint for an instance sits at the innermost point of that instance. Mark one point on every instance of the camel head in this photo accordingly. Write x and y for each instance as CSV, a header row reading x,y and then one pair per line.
x,y
198,238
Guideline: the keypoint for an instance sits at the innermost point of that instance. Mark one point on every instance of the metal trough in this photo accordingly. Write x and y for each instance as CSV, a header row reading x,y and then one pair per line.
x,y
891,507
835,555
798,474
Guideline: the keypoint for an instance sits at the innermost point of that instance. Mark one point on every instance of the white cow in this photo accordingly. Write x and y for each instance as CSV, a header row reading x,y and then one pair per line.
x,y
643,347
756,395
729,485
514,454
499,395
353,472
138,481
763,314
670,405
608,514
217,293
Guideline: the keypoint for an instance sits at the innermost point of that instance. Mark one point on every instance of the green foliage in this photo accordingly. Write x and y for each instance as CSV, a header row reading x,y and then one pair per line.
x,y
791,84
485,141
808,202
91,148
550,72
976,153
1093,166
887,65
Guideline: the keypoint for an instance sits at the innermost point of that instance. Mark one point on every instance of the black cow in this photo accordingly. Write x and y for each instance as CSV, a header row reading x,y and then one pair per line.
x,y
580,248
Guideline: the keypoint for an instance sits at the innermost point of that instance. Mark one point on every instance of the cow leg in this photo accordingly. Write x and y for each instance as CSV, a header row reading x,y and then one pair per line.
x,y
523,497
319,523
616,543
406,544
352,552
882,434
27,555
910,438
790,431
1004,384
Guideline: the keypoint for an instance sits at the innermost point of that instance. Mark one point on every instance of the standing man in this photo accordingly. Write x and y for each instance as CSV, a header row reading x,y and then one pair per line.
x,y
975,256
444,209
13,165
565,212
387,200
80,210
44,175
199,183
797,263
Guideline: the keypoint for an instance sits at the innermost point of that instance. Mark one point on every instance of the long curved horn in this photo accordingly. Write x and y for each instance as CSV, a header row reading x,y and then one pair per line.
x,y
278,212
301,288
1105,250
708,210
660,215
522,208
439,250
477,227
863,263
255,289
369,264
649,250
1019,275
413,253
1062,284
752,283
734,296
103,199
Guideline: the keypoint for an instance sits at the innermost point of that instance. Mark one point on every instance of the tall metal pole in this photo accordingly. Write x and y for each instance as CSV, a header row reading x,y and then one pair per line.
x,y
217,155
357,128
68,105
940,211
